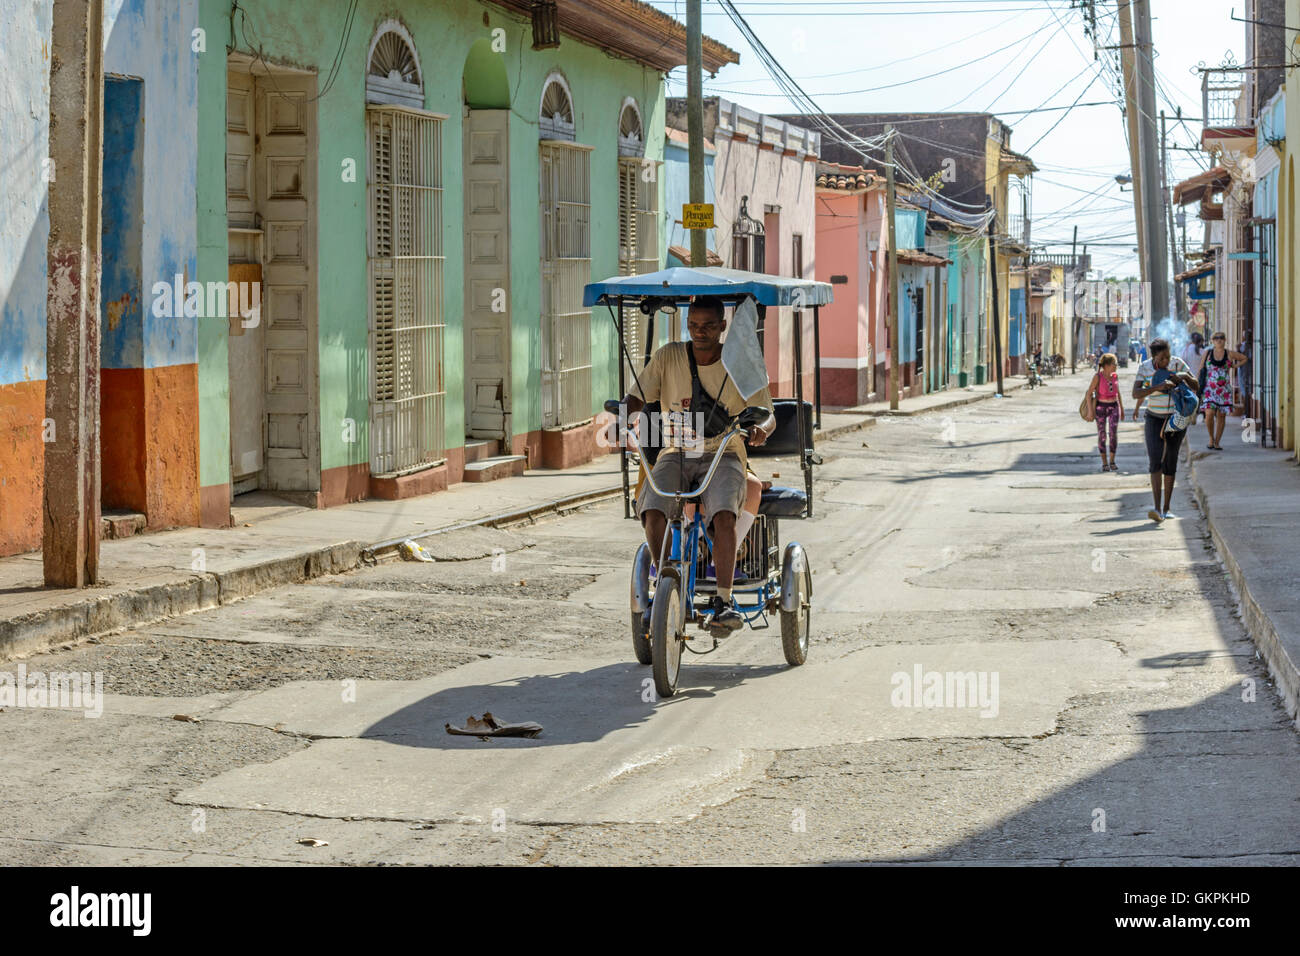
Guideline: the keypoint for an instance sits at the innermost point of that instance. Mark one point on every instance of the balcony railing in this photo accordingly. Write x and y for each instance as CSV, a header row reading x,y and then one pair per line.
x,y
1017,229
1223,92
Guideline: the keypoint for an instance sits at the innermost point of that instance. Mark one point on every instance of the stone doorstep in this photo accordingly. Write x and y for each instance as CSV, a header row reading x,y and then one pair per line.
x,y
121,524
499,466
477,449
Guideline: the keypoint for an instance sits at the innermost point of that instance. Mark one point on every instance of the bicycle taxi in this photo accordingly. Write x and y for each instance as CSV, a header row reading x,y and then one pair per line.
x,y
770,579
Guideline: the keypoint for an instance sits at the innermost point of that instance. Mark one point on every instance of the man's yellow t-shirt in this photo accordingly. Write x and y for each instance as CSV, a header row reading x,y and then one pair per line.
x,y
667,380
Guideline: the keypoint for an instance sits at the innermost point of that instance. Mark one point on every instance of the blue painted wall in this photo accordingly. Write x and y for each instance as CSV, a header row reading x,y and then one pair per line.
x,y
24,214
149,40
910,227
122,299
153,40
1016,333
677,192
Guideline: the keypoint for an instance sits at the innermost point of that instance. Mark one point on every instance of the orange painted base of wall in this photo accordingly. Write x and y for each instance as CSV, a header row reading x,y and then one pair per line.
x,y
214,506
455,465
171,446
529,445
343,485
417,483
846,387
570,447
22,466
122,455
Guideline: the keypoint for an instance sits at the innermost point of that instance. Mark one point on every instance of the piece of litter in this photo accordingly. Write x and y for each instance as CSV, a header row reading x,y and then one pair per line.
x,y
411,551
186,717
312,841
489,726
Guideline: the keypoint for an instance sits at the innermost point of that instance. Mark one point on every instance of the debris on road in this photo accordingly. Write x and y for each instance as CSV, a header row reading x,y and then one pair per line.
x,y
489,726
312,841
411,551
186,718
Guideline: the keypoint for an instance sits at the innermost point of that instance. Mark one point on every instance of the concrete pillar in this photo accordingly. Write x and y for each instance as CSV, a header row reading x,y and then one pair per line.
x,y
71,506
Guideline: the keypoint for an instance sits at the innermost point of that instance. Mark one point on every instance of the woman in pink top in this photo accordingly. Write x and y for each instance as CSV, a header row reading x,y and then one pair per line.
x,y
1110,408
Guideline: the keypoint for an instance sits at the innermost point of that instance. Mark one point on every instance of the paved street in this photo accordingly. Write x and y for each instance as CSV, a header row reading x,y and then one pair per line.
x,y
1112,727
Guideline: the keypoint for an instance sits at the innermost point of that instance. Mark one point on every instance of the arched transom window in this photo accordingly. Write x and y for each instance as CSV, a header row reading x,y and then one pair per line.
x,y
631,138
393,75
556,119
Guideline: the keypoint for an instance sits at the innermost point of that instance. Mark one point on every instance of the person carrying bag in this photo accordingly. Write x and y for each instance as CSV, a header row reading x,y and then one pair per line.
x,y
1088,407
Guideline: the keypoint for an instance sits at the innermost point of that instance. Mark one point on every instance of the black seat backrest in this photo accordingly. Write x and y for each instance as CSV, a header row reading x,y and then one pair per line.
x,y
785,440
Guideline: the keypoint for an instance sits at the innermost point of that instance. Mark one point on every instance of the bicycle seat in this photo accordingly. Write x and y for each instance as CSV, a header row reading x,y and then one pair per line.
x,y
783,503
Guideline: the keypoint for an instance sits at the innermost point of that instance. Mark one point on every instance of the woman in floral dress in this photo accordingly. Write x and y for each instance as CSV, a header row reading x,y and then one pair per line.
x,y
1216,386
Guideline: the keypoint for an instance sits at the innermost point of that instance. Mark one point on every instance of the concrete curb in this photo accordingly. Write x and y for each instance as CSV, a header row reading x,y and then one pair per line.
x,y
834,432
1284,670
151,603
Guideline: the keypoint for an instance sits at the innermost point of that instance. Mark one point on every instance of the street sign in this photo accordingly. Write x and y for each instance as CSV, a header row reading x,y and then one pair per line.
x,y
697,215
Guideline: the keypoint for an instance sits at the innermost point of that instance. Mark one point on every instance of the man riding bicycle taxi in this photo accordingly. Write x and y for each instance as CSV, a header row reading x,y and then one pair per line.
x,y
698,399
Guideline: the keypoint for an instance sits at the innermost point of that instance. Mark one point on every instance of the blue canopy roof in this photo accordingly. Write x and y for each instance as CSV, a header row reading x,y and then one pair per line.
x,y
683,282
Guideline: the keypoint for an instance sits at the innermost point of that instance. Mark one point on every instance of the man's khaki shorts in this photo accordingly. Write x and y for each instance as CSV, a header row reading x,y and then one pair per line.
x,y
726,492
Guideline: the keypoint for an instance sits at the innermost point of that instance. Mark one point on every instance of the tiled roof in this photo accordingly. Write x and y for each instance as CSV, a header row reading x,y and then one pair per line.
x,y
1198,186
632,29
837,176
915,257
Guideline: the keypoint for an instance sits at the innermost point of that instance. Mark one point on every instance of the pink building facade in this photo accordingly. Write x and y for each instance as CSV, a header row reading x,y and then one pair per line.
x,y
851,255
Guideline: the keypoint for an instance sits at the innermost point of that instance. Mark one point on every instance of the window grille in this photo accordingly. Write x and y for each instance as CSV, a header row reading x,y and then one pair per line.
x,y
638,241
406,320
566,268
748,241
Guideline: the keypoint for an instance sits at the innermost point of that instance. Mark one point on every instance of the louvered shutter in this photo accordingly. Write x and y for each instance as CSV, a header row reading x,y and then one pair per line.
x,y
407,411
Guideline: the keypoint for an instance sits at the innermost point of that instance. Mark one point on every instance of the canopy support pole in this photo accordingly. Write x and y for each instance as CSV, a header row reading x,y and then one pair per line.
x,y
622,391
817,363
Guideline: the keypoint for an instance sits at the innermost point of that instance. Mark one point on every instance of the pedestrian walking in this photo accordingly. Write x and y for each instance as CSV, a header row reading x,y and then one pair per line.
x,y
1108,410
1216,387
1193,353
1156,380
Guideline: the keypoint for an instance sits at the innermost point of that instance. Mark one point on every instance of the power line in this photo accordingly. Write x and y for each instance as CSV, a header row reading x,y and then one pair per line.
x,y
906,59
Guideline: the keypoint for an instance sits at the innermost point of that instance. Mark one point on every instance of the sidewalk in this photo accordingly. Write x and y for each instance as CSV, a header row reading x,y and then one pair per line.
x,y
1250,497
147,578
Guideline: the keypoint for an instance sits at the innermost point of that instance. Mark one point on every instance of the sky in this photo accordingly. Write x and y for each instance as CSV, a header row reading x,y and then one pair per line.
x,y
998,56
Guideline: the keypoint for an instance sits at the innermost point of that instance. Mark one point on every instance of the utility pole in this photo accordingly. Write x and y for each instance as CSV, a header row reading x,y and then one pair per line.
x,y
1074,303
1126,59
997,318
1155,255
1180,303
695,122
893,268
70,546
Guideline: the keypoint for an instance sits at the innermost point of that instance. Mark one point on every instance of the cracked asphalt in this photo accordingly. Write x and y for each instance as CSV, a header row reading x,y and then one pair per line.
x,y
1124,716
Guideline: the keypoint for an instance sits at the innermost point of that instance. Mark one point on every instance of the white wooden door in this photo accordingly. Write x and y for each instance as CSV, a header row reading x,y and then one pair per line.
x,y
286,185
487,274
246,351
